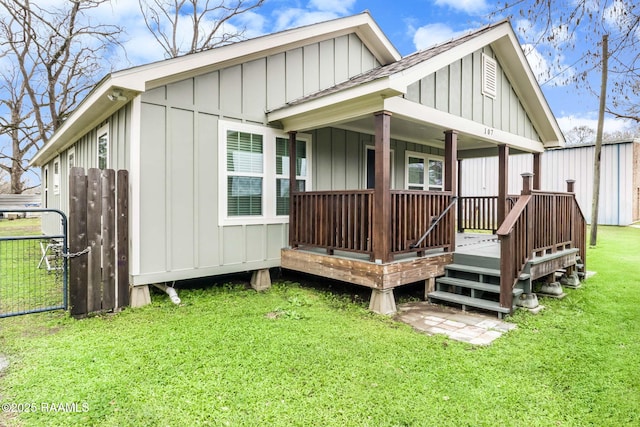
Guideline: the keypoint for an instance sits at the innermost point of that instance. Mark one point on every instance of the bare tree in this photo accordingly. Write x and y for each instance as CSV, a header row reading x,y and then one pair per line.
x,y
189,26
555,26
54,56
580,135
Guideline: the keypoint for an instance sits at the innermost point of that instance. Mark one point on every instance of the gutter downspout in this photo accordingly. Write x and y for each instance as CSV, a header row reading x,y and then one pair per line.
x,y
169,290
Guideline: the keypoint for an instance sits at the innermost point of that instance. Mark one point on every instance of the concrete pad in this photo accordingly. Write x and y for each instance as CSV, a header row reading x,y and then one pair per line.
x,y
473,328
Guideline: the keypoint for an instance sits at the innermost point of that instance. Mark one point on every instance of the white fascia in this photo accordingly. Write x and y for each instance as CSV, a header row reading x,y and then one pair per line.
x,y
336,107
421,113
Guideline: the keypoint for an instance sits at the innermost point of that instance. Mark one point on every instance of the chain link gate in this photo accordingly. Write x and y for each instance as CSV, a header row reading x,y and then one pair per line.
x,y
33,266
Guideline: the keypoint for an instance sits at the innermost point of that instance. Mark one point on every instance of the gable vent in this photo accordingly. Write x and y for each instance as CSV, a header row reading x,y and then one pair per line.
x,y
489,76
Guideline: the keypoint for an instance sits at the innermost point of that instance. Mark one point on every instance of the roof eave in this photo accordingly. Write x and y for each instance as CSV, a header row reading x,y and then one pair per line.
x,y
94,109
104,100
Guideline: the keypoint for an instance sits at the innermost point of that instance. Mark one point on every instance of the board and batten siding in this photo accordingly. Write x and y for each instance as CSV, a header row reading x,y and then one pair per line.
x,y
339,159
457,90
617,183
85,151
180,235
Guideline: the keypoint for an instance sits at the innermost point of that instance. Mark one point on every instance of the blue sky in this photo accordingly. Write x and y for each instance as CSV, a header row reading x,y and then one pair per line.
x,y
410,25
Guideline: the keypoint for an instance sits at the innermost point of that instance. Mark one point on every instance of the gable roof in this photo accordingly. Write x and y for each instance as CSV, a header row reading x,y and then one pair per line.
x,y
117,89
394,79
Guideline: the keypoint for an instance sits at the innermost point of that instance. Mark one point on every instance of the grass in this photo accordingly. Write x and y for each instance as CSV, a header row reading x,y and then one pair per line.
x,y
25,286
298,356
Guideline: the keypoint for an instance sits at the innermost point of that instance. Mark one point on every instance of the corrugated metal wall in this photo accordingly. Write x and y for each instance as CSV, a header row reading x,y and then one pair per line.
x,y
617,187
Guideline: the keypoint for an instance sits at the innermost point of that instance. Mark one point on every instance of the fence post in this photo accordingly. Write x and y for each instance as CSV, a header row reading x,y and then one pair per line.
x,y
123,238
94,240
108,239
570,185
77,241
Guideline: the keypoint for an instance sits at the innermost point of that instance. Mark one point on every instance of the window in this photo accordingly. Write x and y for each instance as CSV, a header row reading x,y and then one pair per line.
x,y
103,147
424,172
283,173
489,76
71,158
56,176
244,174
46,186
254,178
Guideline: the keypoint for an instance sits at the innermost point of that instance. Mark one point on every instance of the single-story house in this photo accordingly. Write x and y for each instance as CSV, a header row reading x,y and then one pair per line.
x,y
619,202
208,140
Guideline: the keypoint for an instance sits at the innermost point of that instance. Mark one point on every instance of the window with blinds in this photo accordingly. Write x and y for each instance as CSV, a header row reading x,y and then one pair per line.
x,y
244,174
254,173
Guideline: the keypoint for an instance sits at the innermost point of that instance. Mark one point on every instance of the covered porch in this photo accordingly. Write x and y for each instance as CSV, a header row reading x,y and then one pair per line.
x,y
474,96
466,255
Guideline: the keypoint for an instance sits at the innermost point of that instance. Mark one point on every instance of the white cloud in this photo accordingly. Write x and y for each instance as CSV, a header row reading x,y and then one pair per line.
x,y
555,73
547,60
618,17
590,120
316,11
432,34
469,6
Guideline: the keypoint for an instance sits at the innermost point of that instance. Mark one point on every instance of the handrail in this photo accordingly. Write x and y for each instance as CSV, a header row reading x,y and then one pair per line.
x,y
435,222
513,257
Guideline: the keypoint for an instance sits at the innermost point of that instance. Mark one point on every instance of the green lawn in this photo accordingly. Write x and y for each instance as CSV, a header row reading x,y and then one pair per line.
x,y
25,282
298,356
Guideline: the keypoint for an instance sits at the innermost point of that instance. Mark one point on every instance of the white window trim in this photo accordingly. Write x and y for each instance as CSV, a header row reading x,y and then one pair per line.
x,y
56,176
392,172
426,157
268,173
71,152
103,130
45,185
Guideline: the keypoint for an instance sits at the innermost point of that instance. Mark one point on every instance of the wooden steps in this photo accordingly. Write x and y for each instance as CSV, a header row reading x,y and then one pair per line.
x,y
468,284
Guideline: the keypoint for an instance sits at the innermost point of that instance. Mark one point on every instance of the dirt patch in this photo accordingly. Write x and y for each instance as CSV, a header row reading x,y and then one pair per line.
x,y
4,363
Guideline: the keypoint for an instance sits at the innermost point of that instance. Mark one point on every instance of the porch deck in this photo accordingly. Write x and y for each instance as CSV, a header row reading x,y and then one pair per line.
x,y
339,236
406,268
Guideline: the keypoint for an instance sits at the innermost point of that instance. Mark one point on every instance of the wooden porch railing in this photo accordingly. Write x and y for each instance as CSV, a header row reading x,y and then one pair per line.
x,y
342,220
539,223
335,220
480,212
412,213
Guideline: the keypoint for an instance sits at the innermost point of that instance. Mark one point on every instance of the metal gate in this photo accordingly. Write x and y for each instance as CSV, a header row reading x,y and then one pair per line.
x,y
33,266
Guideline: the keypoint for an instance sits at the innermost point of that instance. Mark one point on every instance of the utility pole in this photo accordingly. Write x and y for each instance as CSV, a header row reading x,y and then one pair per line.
x,y
596,158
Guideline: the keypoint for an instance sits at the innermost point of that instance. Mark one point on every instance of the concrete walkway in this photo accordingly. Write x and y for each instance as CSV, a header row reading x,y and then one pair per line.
x,y
473,328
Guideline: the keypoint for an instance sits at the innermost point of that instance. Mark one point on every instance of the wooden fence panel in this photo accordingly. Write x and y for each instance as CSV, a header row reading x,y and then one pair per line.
x,y
108,239
98,280
78,265
122,241
94,235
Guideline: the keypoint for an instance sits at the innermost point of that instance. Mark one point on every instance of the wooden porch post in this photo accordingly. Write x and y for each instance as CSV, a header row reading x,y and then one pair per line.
x,y
526,183
571,185
382,189
292,187
451,177
536,171
460,225
503,182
